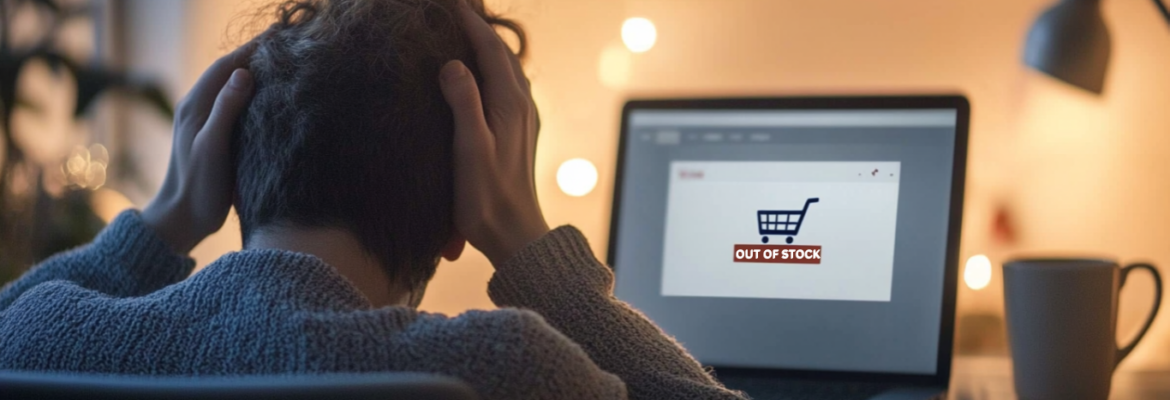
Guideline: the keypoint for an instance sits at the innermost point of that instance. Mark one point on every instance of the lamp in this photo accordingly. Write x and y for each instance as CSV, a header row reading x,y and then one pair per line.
x,y
1070,42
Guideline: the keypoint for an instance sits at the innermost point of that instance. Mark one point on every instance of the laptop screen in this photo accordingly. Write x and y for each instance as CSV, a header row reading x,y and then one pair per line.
x,y
793,239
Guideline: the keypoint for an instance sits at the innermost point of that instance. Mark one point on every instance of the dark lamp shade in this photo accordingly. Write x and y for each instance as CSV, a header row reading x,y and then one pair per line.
x,y
1070,42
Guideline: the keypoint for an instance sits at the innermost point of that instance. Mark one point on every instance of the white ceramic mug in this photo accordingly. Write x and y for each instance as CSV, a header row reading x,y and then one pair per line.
x,y
1062,324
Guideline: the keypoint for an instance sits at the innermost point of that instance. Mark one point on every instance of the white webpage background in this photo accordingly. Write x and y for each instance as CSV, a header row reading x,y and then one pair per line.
x,y
854,221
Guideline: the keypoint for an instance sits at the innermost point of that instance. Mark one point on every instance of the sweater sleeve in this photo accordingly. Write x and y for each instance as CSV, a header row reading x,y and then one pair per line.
x,y
558,277
126,259
512,354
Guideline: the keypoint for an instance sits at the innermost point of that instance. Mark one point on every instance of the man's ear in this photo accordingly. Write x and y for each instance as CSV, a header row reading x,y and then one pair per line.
x,y
454,247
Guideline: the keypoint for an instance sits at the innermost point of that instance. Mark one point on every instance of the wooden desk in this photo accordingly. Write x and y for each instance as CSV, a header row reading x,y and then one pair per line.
x,y
990,378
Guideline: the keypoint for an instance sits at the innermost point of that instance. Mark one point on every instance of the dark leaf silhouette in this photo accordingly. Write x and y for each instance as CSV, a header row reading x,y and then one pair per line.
x,y
33,224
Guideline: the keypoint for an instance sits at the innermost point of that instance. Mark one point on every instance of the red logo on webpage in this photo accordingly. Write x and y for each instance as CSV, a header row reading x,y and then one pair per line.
x,y
783,223
690,174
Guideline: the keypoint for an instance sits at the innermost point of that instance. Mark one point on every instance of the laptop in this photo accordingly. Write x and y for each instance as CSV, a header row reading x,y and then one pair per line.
x,y
803,247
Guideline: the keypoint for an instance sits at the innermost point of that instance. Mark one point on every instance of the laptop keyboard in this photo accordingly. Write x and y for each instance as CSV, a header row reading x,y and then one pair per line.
x,y
780,389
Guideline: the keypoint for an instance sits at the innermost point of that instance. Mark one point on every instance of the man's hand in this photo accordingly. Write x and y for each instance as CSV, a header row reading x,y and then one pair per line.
x,y
197,193
495,144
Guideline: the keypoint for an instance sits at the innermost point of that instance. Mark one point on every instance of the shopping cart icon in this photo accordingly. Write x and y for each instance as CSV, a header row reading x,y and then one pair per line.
x,y
788,222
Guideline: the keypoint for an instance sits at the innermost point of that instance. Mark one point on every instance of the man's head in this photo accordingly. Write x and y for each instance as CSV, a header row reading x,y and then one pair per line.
x,y
348,127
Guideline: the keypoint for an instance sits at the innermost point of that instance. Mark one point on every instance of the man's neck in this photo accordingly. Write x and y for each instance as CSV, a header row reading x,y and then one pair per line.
x,y
341,250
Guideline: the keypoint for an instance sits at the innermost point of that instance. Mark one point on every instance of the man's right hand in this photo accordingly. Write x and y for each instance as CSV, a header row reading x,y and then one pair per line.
x,y
496,208
197,194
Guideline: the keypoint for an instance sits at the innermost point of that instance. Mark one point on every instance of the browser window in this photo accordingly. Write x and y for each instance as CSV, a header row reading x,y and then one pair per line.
x,y
781,230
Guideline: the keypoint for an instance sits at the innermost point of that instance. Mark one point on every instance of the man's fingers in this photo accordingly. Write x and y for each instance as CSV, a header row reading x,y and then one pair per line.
x,y
492,56
462,94
232,100
518,70
195,107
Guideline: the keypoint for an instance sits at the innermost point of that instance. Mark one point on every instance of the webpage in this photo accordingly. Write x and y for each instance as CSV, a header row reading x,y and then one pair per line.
x,y
781,230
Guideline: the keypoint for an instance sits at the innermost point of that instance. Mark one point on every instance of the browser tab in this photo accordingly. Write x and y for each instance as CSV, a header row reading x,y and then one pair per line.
x,y
668,137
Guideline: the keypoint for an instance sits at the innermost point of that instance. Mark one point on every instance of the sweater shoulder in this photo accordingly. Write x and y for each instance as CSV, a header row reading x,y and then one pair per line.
x,y
507,330
511,326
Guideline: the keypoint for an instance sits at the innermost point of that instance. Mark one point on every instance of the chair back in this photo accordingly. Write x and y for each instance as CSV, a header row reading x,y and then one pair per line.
x,y
381,386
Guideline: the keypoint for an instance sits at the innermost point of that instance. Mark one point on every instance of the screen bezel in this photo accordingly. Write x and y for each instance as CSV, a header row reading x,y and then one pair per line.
x,y
954,225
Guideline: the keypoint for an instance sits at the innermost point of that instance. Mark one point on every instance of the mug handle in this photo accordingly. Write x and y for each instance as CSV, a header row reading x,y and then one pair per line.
x,y
1124,351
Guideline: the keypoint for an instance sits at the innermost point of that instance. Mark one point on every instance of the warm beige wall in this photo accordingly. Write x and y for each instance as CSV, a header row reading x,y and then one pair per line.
x,y
1077,173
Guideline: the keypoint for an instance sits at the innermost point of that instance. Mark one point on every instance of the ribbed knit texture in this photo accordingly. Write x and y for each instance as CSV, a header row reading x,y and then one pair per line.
x,y
121,305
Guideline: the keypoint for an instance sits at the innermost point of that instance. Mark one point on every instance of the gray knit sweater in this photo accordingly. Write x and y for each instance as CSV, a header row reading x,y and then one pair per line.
x,y
121,305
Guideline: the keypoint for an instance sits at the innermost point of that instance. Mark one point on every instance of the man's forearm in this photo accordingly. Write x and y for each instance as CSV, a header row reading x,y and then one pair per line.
x,y
558,277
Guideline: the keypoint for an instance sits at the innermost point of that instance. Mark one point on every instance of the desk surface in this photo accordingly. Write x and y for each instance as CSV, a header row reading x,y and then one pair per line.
x,y
987,378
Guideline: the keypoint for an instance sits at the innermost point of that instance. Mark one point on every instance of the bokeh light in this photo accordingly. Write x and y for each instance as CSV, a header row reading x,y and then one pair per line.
x,y
577,177
86,167
977,273
639,34
614,67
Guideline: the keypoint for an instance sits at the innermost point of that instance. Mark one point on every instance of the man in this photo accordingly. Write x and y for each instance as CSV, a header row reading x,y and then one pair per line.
x,y
354,170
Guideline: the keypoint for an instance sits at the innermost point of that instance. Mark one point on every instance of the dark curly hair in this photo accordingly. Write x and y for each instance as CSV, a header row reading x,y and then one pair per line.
x,y
348,127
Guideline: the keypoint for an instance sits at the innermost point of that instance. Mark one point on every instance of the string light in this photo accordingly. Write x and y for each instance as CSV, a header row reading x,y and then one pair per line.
x,y
577,177
977,273
639,34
